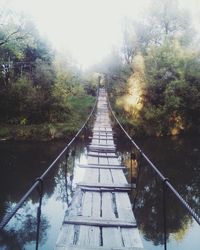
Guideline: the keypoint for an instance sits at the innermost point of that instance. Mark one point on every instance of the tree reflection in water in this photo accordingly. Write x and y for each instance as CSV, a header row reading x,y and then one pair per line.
x,y
22,229
179,160
20,233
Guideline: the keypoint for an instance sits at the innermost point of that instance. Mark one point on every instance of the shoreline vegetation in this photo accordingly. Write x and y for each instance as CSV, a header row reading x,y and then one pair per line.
x,y
82,106
152,78
44,94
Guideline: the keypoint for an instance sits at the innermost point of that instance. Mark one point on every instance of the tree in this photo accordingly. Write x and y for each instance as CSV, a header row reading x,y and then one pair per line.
x,y
130,43
166,85
166,20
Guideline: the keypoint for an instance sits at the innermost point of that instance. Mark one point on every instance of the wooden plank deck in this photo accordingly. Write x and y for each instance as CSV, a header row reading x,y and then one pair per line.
x,y
100,216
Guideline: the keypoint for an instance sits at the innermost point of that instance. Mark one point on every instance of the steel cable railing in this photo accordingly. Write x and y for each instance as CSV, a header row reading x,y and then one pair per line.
x,y
165,181
38,184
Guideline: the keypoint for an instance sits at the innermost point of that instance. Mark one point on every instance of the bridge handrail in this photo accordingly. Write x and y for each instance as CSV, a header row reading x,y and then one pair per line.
x,y
40,179
162,177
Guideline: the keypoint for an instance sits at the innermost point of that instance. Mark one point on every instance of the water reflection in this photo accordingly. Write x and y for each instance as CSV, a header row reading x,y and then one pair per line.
x,y
20,164
22,229
179,160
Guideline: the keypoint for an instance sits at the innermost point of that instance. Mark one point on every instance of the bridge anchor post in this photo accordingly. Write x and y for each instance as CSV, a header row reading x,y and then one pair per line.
x,y
164,186
40,191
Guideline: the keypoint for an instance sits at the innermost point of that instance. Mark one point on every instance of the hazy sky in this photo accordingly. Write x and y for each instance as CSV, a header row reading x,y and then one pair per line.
x,y
87,28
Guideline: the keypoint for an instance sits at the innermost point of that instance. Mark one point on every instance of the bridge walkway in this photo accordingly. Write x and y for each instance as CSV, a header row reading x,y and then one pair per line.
x,y
100,216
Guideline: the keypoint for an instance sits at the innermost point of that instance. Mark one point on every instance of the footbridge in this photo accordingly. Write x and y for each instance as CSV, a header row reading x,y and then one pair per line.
x,y
100,215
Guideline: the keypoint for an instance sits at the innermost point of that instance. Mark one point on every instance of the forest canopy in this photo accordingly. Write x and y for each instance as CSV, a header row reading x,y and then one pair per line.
x,y
38,85
154,78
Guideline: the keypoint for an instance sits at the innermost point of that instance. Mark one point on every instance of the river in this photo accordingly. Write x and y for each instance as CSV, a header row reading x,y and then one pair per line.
x,y
22,162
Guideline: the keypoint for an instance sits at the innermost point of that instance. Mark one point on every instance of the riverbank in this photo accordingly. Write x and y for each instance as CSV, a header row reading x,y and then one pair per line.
x,y
41,132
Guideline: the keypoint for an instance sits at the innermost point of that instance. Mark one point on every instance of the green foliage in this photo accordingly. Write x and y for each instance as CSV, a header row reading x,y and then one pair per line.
x,y
169,89
4,132
43,74
81,105
39,89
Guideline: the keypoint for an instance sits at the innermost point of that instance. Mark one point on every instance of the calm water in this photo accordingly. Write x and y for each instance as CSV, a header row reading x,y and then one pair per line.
x,y
179,160
21,163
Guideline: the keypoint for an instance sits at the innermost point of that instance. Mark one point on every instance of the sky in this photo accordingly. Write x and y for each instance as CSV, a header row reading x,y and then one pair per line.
x,y
88,29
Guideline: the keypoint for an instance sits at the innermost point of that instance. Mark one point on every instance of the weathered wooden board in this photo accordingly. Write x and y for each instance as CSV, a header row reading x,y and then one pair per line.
x,y
103,138
99,222
111,236
75,247
101,150
106,178
97,154
101,166
118,176
91,176
88,235
104,189
102,144
93,160
104,185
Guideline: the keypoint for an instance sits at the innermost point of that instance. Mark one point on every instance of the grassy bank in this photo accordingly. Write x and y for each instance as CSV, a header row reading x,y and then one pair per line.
x,y
80,108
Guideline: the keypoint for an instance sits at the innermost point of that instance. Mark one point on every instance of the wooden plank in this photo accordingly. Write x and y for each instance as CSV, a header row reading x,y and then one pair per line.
x,y
93,160
102,131
124,209
96,204
99,222
104,185
99,149
96,189
91,176
66,236
101,166
113,161
88,235
98,164
103,160
105,177
105,134
97,144
102,128
118,176
111,236
102,150
101,155
75,207
131,237
68,232
110,138
75,247
109,143
104,124
95,141
111,154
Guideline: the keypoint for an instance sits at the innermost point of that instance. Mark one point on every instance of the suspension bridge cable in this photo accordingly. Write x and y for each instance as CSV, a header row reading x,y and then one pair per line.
x,y
10,214
162,177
